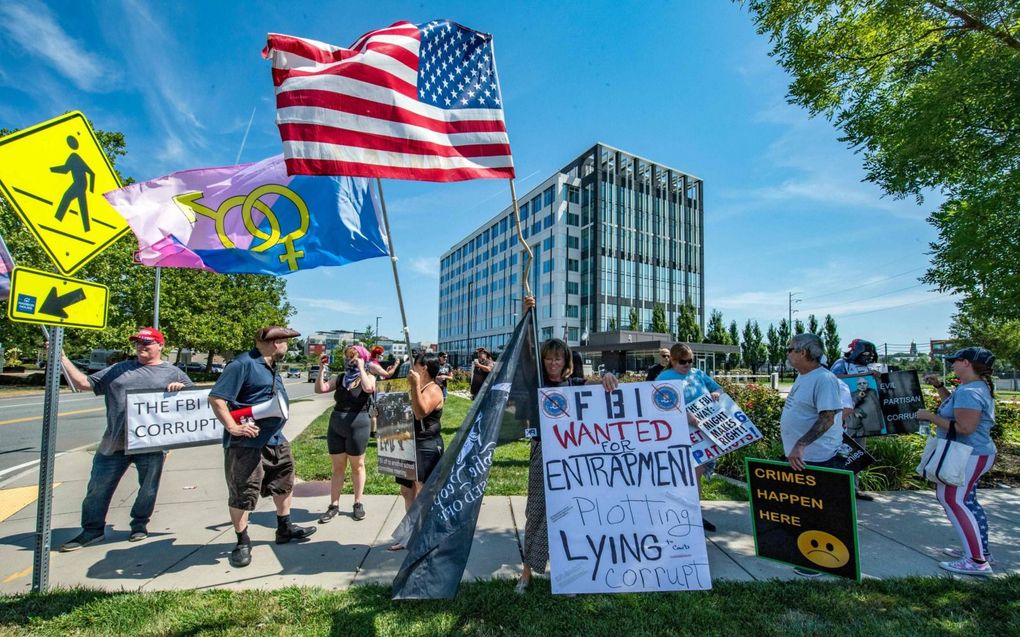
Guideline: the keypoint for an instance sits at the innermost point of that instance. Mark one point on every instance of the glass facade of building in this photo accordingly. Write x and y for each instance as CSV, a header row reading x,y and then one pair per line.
x,y
610,232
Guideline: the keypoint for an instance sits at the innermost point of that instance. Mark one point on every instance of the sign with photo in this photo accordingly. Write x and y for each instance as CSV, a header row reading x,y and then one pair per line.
x,y
739,430
621,492
855,457
170,420
883,407
394,436
804,518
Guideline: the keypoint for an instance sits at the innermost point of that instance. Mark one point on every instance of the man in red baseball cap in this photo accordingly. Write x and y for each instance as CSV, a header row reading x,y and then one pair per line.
x,y
147,371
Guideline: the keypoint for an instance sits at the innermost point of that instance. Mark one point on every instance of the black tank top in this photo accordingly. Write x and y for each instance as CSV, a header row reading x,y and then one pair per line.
x,y
346,402
428,427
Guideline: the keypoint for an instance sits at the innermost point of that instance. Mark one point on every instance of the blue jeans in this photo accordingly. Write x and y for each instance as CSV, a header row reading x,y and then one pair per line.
x,y
106,474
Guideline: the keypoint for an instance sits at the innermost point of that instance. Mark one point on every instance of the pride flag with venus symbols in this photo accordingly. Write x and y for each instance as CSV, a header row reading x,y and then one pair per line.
x,y
252,218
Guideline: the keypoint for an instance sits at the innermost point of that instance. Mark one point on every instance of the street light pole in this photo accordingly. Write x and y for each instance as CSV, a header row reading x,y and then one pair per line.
x,y
377,326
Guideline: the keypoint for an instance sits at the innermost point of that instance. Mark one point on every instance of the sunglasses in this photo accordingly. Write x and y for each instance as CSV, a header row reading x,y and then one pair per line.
x,y
684,361
143,343
791,349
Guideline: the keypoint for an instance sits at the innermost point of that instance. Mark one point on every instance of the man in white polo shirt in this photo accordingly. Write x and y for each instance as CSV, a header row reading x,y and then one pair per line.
x,y
811,423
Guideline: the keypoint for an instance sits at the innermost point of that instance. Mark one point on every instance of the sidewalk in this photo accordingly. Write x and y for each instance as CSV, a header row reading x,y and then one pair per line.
x,y
901,533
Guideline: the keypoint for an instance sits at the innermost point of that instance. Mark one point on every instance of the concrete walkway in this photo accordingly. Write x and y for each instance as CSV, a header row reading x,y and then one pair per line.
x,y
901,533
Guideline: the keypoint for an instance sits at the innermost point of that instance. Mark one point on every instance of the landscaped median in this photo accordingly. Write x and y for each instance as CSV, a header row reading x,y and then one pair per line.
x,y
509,466
911,607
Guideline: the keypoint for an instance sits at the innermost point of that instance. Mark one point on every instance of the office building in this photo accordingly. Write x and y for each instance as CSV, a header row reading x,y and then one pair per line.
x,y
610,232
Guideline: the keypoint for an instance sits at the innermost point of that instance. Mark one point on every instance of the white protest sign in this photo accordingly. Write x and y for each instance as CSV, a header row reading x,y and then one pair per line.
x,y
727,420
170,420
621,494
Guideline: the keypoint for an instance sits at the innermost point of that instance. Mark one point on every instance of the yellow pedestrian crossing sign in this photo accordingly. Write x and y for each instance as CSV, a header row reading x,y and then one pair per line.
x,y
51,299
54,175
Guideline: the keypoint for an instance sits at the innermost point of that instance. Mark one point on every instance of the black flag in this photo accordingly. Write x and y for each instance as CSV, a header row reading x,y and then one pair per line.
x,y
439,527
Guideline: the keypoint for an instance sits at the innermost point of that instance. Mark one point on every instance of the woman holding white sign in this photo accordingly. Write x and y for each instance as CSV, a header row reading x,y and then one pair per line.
x,y
970,411
349,426
696,383
557,367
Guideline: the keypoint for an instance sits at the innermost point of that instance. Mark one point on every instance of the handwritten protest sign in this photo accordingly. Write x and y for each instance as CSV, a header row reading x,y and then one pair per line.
x,y
170,420
621,494
395,435
726,414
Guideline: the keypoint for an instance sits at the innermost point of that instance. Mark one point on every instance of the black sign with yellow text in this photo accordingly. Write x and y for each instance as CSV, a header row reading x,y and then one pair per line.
x,y
804,518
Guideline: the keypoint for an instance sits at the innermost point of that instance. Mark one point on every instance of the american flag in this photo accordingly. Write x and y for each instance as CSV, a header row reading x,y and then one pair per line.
x,y
406,102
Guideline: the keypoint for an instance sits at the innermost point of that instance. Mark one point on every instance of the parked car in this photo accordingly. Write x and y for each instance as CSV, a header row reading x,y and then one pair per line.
x,y
217,368
80,363
191,367
294,372
313,373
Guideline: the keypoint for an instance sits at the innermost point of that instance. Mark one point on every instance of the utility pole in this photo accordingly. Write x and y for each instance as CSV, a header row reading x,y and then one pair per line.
x,y
791,311
377,327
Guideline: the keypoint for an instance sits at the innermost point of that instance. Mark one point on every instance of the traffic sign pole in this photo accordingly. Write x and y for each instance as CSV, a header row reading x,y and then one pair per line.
x,y
43,539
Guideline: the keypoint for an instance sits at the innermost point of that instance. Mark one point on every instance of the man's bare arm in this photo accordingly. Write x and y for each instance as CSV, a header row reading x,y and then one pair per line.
x,y
825,420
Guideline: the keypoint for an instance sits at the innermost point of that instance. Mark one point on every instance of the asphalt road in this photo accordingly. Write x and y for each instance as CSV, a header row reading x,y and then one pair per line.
x,y
81,421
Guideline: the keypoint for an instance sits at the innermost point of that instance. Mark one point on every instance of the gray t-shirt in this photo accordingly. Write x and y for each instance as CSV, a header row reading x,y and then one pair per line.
x,y
114,382
813,392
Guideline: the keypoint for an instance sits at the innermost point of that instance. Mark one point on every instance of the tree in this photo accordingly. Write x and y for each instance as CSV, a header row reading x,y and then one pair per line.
x,y
688,330
368,337
634,320
775,346
753,349
830,339
798,326
929,93
716,332
784,338
812,325
611,325
733,360
1002,337
659,323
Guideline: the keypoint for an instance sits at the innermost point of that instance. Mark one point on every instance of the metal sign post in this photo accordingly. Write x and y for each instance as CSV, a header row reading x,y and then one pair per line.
x,y
41,561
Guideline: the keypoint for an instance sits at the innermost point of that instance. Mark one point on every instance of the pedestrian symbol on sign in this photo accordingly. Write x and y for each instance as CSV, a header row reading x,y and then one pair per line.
x,y
80,174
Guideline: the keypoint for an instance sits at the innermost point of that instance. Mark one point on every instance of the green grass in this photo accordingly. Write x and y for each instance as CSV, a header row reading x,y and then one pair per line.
x,y
907,607
509,464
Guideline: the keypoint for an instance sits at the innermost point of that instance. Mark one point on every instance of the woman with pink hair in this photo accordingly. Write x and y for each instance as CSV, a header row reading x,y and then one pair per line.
x,y
349,426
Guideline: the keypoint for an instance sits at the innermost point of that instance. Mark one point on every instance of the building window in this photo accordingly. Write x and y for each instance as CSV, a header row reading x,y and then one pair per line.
x,y
573,219
546,333
547,289
573,194
536,204
536,227
548,221
573,242
549,243
573,265
548,196
573,334
547,266
572,311
572,287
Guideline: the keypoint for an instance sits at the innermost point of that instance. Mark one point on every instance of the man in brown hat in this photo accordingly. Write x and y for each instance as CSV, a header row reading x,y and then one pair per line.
x,y
257,458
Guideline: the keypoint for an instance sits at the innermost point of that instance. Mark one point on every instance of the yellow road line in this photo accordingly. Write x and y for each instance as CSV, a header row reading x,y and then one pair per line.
x,y
13,576
15,421
16,499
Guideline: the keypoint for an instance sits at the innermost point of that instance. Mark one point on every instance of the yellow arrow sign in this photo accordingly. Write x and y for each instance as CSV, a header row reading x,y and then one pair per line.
x,y
51,299
54,174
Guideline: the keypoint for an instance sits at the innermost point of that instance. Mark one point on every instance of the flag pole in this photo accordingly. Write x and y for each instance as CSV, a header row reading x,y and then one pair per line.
x,y
393,262
527,278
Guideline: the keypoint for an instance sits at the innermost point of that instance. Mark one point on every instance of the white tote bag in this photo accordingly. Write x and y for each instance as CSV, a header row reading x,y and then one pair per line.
x,y
945,460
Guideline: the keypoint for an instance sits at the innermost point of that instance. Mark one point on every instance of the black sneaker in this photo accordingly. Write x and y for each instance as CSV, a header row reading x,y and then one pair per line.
x,y
708,526
332,511
864,496
240,556
84,538
294,532
138,535
359,511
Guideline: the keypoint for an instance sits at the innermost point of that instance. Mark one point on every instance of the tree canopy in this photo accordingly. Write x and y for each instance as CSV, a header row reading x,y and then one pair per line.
x,y
929,93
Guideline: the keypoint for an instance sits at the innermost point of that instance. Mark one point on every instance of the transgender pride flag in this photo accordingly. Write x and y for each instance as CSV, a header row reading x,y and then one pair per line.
x,y
252,218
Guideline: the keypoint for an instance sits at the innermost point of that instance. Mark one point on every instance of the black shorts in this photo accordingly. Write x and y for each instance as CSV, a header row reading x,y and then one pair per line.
x,y
427,454
348,432
254,471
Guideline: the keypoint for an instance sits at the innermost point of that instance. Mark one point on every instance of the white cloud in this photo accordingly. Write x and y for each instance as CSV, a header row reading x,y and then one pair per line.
x,y
426,266
333,305
34,28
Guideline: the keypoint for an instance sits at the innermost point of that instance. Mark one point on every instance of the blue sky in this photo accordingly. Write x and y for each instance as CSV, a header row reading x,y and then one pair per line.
x,y
687,84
